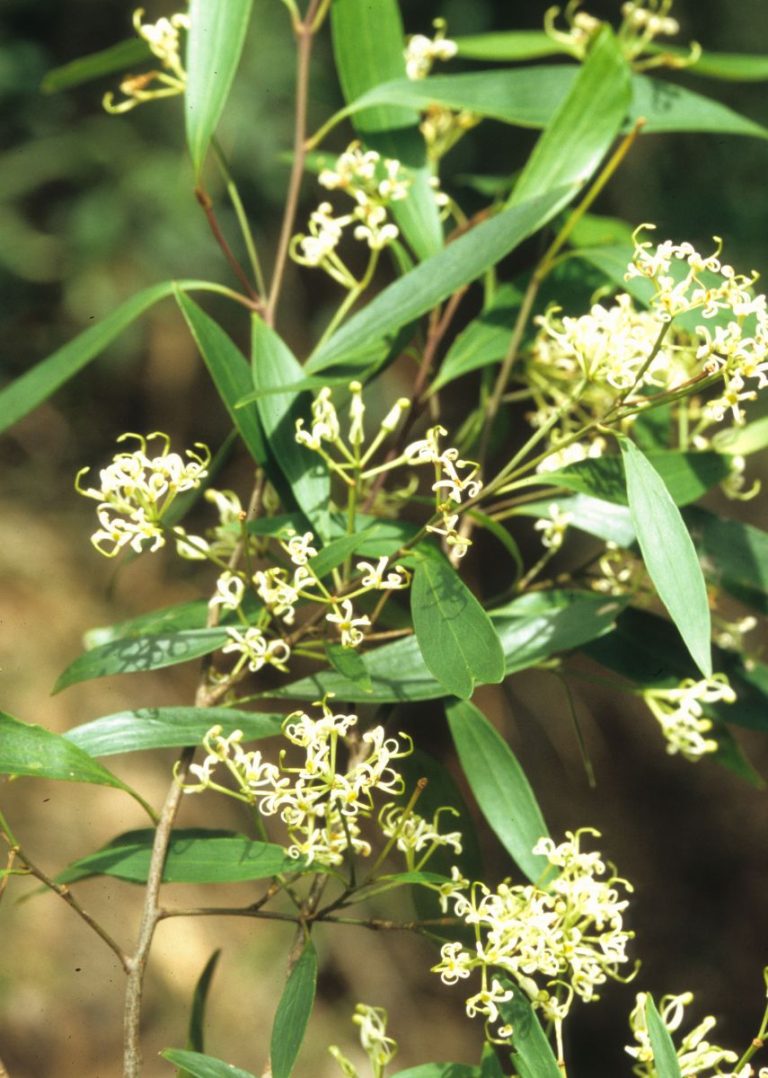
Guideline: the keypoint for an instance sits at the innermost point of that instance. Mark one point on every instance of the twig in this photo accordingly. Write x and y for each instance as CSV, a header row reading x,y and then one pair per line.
x,y
304,31
206,202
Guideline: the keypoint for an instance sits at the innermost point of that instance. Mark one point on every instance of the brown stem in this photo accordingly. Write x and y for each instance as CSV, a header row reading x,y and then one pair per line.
x,y
206,202
151,912
303,30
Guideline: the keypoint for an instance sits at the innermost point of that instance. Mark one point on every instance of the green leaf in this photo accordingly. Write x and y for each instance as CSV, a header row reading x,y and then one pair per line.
x,y
368,48
95,65
337,551
229,370
194,856
532,1054
606,521
490,1067
669,554
500,787
733,555
200,1066
214,44
350,665
741,441
733,66
434,280
585,124
273,364
196,1033
531,629
484,341
32,750
686,476
440,1070
664,1054
167,727
671,108
32,388
507,47
293,1013
139,653
189,615
457,639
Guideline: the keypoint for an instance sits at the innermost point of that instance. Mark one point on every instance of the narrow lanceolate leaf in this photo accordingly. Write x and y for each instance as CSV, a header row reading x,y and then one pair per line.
x,y
665,1059
136,654
733,66
350,665
368,47
167,727
32,750
671,108
120,57
669,554
39,383
273,364
293,1013
201,1066
214,44
685,475
458,264
584,126
500,787
194,856
484,341
196,1033
532,1053
507,47
230,372
457,638
490,1065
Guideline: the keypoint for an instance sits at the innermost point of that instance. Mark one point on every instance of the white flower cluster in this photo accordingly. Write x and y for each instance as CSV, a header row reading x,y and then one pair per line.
x,y
321,805
683,280
137,490
553,529
373,183
696,1057
559,939
413,834
455,479
421,51
380,1048
451,487
164,40
643,20
680,713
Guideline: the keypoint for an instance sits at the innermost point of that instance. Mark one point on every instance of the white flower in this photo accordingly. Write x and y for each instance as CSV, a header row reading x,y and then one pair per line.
x,y
253,647
299,547
164,41
413,833
680,713
421,52
230,589
694,1054
553,530
379,1048
397,577
343,617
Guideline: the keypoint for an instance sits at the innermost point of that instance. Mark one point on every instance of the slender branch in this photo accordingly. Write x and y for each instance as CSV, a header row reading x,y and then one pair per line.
x,y
206,202
242,219
64,893
303,30
151,912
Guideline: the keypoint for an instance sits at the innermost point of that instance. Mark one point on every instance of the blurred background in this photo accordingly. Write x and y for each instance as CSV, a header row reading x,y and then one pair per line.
x,y
94,207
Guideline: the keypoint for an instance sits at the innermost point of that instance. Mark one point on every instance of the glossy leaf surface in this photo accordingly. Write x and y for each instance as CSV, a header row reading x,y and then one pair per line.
x,y
500,787
201,1066
230,372
273,365
456,637
214,43
293,1013
167,727
669,554
368,47
584,126
458,264
194,856
136,654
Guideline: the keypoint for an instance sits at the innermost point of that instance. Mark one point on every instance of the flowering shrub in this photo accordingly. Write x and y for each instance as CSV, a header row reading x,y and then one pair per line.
x,y
346,581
